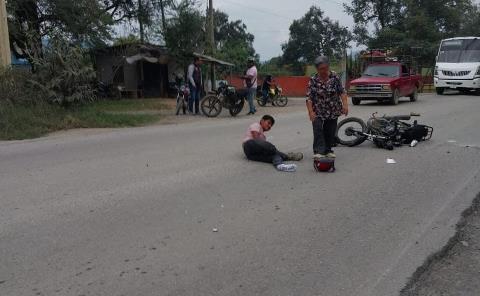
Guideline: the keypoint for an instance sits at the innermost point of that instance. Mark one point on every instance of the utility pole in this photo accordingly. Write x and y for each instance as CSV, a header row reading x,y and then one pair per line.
x,y
5,55
211,41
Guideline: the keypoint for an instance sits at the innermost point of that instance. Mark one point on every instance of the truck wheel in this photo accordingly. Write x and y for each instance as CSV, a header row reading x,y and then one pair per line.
x,y
439,90
356,101
395,98
414,95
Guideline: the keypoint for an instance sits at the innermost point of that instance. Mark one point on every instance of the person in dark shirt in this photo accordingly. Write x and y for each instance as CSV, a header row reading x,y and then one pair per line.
x,y
326,101
268,82
195,83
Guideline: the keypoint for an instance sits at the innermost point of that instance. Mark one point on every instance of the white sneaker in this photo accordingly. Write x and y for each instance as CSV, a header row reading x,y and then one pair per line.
x,y
291,167
319,156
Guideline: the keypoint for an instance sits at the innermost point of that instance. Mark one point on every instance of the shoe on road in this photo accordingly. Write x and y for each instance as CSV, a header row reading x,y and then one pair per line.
x,y
294,156
331,155
289,168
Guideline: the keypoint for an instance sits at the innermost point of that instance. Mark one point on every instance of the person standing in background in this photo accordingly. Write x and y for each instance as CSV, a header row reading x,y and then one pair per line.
x,y
195,82
250,79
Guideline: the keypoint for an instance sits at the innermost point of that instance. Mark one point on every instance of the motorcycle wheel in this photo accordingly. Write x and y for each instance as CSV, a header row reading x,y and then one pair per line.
x,y
281,101
348,132
260,102
184,107
211,106
237,108
180,105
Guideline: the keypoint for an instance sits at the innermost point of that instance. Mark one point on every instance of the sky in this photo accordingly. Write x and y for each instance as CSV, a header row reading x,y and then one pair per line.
x,y
269,20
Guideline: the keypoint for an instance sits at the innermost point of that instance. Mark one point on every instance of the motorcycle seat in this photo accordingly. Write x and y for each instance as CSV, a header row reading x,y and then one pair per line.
x,y
398,117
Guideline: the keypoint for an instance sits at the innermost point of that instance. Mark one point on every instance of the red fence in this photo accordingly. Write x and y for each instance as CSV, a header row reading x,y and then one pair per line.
x,y
293,86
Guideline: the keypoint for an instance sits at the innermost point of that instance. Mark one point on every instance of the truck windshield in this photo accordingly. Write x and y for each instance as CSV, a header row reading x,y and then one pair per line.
x,y
382,71
459,51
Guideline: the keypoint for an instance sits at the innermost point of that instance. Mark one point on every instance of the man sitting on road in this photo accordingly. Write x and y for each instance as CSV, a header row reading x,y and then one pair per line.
x,y
257,148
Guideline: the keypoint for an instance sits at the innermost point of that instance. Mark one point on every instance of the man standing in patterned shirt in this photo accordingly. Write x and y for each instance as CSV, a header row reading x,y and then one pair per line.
x,y
326,101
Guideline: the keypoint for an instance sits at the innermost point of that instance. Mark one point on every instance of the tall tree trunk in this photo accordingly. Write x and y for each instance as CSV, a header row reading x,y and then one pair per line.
x,y
382,13
162,9
140,20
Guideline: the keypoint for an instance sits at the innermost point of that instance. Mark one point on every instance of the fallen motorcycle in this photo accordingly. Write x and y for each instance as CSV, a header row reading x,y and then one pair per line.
x,y
225,97
385,132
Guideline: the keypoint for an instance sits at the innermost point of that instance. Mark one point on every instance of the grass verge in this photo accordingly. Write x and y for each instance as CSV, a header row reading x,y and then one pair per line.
x,y
22,121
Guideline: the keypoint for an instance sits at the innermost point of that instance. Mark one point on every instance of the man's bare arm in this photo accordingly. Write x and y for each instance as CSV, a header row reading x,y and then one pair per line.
x,y
345,104
311,113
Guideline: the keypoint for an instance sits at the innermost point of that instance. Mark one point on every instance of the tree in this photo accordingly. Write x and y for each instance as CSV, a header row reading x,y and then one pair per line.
x,y
232,41
314,35
413,26
380,13
185,32
274,67
65,74
130,39
471,24
147,17
30,21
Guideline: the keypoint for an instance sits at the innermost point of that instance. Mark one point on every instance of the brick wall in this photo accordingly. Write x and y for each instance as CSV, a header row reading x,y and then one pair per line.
x,y
293,86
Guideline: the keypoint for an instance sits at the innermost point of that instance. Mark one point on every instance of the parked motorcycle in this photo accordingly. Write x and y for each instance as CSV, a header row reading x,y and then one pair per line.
x,y
107,91
183,93
385,132
225,97
275,97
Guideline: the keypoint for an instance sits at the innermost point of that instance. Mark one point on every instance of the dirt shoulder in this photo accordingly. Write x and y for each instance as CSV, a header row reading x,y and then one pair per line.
x,y
454,270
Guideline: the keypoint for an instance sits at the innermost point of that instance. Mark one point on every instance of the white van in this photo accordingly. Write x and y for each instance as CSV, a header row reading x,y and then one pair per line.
x,y
458,65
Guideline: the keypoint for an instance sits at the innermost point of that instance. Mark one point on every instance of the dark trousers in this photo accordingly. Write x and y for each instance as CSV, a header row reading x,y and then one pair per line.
x,y
263,151
324,135
194,98
265,95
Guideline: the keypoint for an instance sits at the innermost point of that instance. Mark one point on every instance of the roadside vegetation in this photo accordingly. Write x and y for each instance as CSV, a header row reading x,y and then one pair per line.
x,y
58,89
60,94
25,121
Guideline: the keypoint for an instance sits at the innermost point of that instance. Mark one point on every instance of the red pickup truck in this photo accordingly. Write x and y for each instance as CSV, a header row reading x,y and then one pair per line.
x,y
385,81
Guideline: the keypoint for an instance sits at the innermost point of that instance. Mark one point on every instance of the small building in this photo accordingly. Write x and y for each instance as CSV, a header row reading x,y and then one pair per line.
x,y
136,70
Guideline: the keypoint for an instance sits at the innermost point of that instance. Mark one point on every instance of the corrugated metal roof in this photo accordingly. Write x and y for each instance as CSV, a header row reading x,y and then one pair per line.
x,y
212,59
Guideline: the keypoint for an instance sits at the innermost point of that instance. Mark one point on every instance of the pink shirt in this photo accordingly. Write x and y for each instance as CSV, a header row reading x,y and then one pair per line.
x,y
254,127
252,71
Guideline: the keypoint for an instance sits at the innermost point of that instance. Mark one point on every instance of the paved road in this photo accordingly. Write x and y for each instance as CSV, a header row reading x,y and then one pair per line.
x,y
131,212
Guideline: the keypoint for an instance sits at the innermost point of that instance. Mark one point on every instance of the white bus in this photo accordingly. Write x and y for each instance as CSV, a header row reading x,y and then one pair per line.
x,y
458,65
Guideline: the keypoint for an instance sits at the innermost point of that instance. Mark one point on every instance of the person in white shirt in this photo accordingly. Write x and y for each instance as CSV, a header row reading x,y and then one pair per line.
x,y
250,83
257,148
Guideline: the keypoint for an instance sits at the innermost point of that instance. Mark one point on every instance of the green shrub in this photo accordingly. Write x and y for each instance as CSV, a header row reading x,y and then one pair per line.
x,y
64,74
14,86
